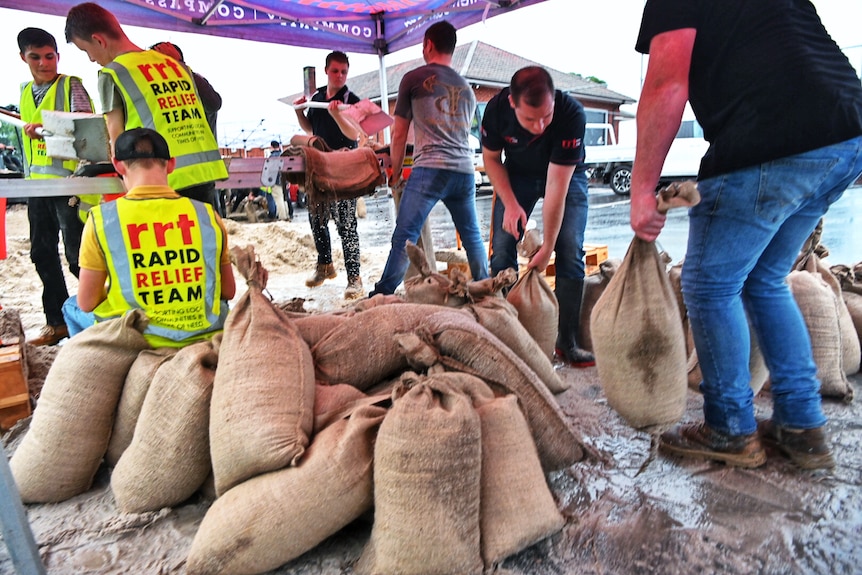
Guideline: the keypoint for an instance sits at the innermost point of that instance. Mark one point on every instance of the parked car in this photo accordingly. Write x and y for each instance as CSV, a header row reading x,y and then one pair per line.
x,y
611,163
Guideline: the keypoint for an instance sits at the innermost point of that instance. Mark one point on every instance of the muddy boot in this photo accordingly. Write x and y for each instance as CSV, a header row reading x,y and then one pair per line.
x,y
354,287
321,273
569,293
807,448
701,442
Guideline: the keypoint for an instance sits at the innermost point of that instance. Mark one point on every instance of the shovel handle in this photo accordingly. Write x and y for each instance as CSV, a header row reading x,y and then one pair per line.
x,y
15,120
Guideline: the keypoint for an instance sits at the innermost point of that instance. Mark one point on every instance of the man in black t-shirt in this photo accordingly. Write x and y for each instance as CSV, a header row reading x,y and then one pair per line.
x,y
541,131
338,133
781,108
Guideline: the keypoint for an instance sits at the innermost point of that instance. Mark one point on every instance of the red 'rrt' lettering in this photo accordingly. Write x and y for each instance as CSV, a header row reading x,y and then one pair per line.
x,y
160,229
147,70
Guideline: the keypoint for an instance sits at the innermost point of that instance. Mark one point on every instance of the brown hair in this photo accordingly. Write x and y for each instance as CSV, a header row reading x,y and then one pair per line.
x,y
87,19
531,85
337,56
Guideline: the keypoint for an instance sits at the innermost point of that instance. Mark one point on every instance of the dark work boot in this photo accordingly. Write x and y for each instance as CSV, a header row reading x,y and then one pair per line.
x,y
569,293
807,448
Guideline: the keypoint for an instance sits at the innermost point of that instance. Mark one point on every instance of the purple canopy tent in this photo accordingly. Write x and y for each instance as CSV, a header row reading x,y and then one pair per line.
x,y
364,26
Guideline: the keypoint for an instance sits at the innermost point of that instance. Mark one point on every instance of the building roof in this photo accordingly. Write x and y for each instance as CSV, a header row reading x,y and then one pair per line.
x,y
481,65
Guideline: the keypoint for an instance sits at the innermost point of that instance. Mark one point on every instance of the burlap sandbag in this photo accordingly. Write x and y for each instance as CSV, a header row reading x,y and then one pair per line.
x,y
427,472
430,287
268,520
501,318
263,394
169,457
466,346
853,301
851,351
639,343
72,423
314,327
534,299
330,402
518,509
594,287
819,309
340,174
638,339
132,399
847,278
362,352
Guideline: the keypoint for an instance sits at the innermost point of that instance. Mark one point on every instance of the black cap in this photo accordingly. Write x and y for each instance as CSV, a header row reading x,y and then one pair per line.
x,y
141,143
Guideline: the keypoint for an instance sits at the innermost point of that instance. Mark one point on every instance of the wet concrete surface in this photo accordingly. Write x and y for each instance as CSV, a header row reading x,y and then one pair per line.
x,y
608,224
676,517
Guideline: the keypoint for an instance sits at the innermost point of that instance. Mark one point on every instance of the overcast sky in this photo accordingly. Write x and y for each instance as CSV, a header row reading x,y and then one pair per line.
x,y
588,37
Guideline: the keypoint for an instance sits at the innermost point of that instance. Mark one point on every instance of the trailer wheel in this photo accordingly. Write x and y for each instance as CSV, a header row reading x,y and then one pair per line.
x,y
621,180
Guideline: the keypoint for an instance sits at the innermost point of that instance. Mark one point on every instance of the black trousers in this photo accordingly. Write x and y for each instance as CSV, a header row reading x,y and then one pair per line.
x,y
50,219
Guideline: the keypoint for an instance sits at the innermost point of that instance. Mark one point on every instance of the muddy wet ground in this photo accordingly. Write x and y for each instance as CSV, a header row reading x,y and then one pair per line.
x,y
677,517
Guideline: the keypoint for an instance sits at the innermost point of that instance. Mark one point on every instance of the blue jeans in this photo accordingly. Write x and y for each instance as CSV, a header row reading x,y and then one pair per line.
x,y
426,187
569,249
77,320
744,237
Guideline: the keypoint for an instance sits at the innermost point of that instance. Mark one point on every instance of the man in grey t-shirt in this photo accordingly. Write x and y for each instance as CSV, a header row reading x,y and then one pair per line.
x,y
440,104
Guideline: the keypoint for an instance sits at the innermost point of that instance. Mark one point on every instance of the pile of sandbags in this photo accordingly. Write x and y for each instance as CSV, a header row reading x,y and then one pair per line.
x,y
298,424
460,452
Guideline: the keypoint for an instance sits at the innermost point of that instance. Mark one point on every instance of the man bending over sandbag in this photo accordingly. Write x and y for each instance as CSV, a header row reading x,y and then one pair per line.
x,y
541,131
781,108
153,250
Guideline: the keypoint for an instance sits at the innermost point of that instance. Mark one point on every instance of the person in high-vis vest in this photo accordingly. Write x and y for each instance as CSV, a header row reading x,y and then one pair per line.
x,y
145,88
49,217
153,250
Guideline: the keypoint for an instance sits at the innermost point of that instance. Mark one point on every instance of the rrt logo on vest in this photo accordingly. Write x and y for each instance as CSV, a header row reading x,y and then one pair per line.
x,y
173,89
167,268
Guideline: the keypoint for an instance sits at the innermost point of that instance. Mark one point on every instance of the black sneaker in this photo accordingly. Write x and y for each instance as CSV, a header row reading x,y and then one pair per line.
x,y
698,440
807,448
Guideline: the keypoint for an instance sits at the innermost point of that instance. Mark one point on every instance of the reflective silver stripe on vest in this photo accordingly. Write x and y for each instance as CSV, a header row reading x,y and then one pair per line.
x,y
197,158
138,99
208,238
113,231
116,245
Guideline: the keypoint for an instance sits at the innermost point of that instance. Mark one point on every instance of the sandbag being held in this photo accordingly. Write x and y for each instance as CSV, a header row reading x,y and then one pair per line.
x,y
637,333
538,309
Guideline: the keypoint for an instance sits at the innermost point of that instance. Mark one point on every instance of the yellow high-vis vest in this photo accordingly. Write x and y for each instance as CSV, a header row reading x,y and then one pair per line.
x,y
163,256
160,94
57,98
